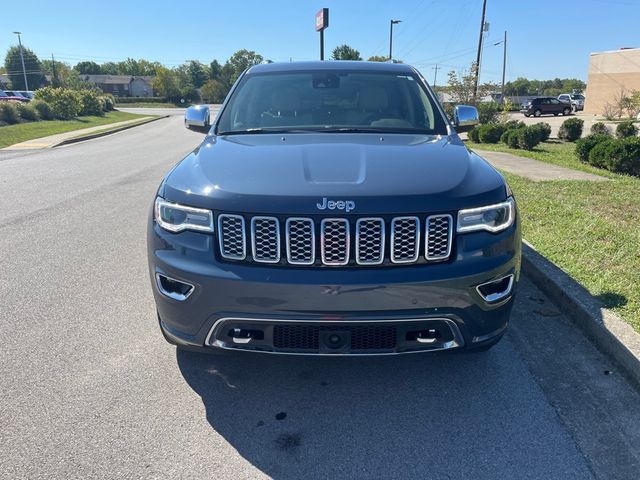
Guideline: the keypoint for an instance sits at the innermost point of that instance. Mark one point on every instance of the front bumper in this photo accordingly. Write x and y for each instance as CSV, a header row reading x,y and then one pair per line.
x,y
415,308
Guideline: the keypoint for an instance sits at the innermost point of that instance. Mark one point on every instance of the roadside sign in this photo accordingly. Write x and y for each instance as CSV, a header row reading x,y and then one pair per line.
x,y
322,19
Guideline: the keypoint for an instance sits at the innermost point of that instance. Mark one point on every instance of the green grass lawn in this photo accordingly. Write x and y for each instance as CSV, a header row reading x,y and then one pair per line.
x,y
150,105
11,134
590,229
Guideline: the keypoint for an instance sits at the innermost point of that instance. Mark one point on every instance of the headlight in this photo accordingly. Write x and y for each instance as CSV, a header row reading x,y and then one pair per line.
x,y
176,218
492,218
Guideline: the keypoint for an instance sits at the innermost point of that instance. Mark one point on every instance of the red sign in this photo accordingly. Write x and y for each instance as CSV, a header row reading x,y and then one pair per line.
x,y
322,19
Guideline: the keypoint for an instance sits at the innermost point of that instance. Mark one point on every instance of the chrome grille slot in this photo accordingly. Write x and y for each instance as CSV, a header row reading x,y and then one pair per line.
x,y
231,234
301,241
334,241
438,238
370,241
405,239
265,239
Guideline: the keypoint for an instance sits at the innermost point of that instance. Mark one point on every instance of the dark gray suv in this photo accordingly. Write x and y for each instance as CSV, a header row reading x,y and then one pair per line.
x,y
332,209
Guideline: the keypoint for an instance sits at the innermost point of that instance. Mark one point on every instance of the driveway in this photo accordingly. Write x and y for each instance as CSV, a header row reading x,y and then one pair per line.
x,y
91,390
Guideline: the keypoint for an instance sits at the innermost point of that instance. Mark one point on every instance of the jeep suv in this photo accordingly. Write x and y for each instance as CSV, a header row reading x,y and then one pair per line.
x,y
545,106
332,209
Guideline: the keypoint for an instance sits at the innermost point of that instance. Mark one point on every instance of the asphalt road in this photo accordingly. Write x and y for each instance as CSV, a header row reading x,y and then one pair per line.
x,y
89,389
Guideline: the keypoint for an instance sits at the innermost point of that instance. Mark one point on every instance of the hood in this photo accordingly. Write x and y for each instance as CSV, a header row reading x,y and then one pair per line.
x,y
290,174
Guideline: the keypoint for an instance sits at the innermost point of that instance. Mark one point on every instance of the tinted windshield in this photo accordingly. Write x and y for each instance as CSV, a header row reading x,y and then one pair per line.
x,y
337,100
577,97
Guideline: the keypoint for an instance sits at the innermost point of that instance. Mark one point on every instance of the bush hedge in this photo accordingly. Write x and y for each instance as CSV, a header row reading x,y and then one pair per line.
x,y
488,112
600,128
620,155
626,129
571,129
27,112
65,103
512,138
473,135
9,112
92,103
586,144
121,100
490,133
542,130
43,109
528,137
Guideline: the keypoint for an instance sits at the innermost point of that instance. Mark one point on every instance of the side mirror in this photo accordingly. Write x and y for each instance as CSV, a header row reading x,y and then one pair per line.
x,y
465,118
198,118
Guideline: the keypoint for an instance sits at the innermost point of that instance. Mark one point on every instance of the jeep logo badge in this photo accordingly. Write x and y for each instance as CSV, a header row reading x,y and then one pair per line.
x,y
346,205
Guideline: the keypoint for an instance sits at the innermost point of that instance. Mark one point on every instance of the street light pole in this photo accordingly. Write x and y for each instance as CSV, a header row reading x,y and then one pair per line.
x,y
24,70
391,24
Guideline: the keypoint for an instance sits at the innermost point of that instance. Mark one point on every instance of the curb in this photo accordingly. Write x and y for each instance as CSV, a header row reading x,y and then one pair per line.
x,y
105,133
611,335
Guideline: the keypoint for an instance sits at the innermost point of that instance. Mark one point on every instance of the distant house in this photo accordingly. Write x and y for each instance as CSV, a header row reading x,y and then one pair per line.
x,y
122,85
4,81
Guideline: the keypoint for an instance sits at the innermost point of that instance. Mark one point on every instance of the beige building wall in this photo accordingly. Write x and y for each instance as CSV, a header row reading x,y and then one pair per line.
x,y
609,74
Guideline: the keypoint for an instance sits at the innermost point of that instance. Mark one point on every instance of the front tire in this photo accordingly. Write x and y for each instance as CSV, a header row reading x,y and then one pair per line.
x,y
566,111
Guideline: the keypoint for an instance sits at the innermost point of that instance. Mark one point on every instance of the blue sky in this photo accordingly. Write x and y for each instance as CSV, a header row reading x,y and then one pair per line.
x,y
547,38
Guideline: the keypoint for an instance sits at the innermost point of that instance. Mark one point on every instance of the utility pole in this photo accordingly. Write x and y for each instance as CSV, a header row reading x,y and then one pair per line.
x,y
391,24
475,84
435,75
24,70
53,71
504,65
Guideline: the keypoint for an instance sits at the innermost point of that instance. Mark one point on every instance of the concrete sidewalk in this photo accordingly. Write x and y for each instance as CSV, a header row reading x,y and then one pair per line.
x,y
534,169
53,140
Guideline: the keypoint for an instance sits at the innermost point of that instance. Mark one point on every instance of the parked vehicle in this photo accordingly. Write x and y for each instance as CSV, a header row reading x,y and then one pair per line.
x,y
332,209
7,95
576,100
545,106
26,93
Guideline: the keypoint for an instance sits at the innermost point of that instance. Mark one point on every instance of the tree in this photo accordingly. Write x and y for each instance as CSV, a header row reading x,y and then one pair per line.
x,y
196,72
377,58
240,61
165,84
215,70
137,67
460,87
213,92
345,52
32,66
87,68
109,68
61,75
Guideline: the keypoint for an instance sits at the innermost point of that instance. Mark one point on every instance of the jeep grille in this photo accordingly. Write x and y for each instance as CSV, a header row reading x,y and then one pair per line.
x,y
329,241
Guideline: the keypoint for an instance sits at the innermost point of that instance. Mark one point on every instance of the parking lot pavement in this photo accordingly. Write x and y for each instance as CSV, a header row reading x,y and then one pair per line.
x,y
90,389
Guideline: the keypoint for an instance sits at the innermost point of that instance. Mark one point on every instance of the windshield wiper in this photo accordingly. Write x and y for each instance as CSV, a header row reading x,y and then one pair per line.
x,y
373,130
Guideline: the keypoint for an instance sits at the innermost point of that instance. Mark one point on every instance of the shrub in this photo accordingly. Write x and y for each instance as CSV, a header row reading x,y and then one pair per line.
x,y
108,103
92,104
140,100
626,129
598,153
490,133
27,112
512,138
64,103
473,135
571,129
43,109
488,112
9,112
617,155
600,128
514,124
528,137
504,138
542,130
586,144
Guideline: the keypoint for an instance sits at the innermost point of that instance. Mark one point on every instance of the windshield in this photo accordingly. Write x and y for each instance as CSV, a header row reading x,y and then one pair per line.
x,y
330,101
577,97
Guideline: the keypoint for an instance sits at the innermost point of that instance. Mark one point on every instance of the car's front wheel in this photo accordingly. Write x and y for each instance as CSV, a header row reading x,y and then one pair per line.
x,y
566,111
